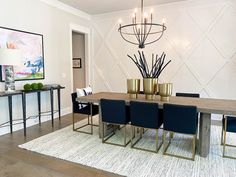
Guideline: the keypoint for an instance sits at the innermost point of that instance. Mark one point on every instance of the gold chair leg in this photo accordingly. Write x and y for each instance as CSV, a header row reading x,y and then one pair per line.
x,y
224,139
178,156
156,140
73,117
103,132
125,135
132,135
171,135
222,134
194,146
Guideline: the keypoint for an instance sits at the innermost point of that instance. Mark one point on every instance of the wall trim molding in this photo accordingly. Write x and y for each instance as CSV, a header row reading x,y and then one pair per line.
x,y
88,60
67,8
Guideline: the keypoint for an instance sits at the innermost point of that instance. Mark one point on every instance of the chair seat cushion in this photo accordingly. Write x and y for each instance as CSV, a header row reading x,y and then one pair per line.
x,y
231,124
86,110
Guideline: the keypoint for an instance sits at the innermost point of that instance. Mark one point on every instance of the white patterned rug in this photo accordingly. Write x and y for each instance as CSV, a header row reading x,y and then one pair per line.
x,y
89,150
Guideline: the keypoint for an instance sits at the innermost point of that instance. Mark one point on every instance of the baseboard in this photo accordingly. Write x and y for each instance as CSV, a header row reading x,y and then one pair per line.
x,y
32,122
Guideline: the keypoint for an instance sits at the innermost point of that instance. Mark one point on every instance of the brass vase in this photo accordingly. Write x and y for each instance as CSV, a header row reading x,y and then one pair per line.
x,y
165,91
133,87
150,87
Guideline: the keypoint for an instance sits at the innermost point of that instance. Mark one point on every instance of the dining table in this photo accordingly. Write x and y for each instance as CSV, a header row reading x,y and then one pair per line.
x,y
205,107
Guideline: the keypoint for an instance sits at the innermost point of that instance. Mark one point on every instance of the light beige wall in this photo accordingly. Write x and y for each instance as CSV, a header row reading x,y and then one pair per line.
x,y
78,44
36,16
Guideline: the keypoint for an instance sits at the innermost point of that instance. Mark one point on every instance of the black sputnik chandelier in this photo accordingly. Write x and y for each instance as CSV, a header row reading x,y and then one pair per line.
x,y
142,31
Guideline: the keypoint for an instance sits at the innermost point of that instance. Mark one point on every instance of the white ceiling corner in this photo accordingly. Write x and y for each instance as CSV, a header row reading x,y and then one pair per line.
x,y
67,8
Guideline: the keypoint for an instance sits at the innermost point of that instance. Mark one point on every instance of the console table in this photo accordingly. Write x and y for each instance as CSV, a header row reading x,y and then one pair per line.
x,y
205,106
23,93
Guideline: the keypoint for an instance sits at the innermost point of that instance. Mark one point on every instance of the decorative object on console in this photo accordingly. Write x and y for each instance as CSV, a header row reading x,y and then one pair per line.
x,y
31,65
33,86
8,58
142,32
165,91
133,87
150,75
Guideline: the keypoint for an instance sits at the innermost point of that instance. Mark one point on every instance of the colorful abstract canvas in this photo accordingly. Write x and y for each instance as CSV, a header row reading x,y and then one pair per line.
x,y
31,45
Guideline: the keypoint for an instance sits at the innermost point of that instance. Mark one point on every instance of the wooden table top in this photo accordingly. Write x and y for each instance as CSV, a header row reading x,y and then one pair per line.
x,y
204,105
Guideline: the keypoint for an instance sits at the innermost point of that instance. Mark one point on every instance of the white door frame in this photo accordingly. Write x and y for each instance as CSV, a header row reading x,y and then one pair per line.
x,y
87,32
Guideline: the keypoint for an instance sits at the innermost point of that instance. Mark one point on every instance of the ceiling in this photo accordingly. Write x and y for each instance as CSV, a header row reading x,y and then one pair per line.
x,y
104,6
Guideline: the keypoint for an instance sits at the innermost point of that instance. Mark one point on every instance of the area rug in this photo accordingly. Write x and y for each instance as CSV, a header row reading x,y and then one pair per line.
x,y
90,151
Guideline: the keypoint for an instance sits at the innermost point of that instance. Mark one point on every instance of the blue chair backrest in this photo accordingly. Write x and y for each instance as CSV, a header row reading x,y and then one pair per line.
x,y
113,111
145,115
179,118
194,95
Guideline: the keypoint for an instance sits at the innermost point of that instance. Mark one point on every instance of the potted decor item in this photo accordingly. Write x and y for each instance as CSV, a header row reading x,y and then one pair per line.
x,y
133,87
150,75
165,90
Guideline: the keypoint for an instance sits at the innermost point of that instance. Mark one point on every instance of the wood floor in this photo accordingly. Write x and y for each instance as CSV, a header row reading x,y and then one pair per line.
x,y
16,162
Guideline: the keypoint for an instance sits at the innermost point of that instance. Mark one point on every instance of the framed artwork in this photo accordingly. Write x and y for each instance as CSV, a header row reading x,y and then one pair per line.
x,y
77,63
31,45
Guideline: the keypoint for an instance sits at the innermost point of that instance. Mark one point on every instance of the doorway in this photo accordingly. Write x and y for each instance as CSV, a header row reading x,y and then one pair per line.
x,y
78,57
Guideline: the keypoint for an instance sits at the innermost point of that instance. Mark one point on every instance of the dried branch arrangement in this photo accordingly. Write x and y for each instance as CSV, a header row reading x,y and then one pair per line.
x,y
157,64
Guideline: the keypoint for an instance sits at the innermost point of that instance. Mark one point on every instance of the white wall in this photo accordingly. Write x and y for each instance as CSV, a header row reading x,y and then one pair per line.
x,y
78,46
200,40
54,24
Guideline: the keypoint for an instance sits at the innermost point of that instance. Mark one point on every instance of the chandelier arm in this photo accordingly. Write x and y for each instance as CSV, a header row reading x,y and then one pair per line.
x,y
150,24
135,32
155,40
145,33
128,40
150,28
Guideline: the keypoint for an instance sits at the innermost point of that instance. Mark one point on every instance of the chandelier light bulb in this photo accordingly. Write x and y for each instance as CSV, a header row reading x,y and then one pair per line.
x,y
151,11
120,21
145,15
163,21
135,10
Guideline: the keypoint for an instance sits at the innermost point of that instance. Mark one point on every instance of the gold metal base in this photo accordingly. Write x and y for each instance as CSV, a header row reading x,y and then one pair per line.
x,y
223,141
140,137
105,140
165,98
175,155
133,96
149,97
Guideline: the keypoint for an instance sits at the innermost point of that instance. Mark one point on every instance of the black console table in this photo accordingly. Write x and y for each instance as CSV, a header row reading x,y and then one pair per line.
x,y
23,93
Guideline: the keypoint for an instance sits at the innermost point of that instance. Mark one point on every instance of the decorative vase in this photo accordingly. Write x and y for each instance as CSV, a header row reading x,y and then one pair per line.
x,y
133,87
165,91
150,87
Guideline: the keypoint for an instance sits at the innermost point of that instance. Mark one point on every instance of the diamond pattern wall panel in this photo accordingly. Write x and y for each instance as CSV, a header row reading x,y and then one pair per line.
x,y
200,41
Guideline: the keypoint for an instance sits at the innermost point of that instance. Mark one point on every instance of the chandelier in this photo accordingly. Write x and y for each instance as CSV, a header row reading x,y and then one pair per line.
x,y
142,32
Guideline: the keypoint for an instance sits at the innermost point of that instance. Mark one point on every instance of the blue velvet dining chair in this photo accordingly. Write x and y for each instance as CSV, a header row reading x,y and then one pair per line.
x,y
144,115
83,108
228,125
114,112
180,119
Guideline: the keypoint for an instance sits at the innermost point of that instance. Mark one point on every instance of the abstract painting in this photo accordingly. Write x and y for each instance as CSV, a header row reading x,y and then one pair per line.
x,y
31,45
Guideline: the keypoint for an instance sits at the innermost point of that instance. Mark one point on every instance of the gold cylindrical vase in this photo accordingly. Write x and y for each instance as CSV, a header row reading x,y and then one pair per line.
x,y
150,87
165,91
133,88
